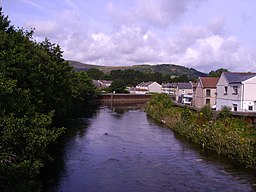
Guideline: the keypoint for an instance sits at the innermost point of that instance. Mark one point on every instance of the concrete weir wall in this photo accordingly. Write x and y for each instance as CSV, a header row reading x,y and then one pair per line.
x,y
123,99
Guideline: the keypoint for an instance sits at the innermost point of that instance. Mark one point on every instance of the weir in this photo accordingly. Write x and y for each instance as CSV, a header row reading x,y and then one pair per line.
x,y
124,99
141,99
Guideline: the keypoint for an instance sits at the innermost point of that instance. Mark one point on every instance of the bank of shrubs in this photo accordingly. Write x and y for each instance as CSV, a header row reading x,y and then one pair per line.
x,y
230,136
37,86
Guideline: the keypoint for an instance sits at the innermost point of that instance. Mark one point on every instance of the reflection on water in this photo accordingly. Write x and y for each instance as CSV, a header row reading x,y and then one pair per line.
x,y
123,150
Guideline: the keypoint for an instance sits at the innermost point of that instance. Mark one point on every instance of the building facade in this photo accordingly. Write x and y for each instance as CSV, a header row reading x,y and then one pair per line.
x,y
237,91
184,93
147,87
205,92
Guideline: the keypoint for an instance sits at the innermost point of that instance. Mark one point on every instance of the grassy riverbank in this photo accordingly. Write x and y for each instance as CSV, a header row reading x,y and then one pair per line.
x,y
229,136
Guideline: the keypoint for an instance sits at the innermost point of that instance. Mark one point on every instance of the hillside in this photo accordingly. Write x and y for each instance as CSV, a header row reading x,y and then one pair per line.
x,y
81,66
166,69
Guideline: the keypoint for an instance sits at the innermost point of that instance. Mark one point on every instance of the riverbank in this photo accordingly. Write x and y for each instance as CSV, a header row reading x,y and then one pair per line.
x,y
229,136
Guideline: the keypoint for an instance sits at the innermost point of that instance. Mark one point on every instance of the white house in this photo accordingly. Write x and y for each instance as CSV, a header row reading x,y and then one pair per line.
x,y
237,91
102,84
147,87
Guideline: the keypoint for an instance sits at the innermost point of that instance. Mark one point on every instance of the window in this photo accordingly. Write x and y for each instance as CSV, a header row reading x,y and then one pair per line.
x,y
207,101
234,107
208,92
235,90
250,108
225,90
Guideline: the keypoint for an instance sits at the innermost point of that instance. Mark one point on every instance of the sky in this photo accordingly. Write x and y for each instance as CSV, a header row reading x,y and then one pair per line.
x,y
200,34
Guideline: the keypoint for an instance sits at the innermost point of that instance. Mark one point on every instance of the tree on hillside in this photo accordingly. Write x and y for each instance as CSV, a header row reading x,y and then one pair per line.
x,y
156,76
218,72
95,73
182,78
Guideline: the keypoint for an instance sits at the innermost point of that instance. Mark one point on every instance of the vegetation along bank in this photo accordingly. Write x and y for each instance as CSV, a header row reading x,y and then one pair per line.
x,y
37,86
227,135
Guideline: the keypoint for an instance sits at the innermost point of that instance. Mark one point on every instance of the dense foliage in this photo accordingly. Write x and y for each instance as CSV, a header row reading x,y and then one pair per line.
x,y
36,85
96,74
132,78
229,136
218,72
118,86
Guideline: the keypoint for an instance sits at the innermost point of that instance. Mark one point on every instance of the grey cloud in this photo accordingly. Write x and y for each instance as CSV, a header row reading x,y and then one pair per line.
x,y
216,25
160,13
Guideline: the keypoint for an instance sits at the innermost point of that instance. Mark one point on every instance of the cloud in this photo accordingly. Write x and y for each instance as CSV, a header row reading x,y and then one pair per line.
x,y
195,47
140,34
215,51
159,13
44,28
216,25
33,4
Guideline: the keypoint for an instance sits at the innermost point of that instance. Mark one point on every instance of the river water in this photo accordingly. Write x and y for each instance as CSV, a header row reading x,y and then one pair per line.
x,y
123,150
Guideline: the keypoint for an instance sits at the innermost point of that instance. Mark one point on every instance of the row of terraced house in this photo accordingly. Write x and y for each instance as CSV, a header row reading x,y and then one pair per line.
x,y
234,90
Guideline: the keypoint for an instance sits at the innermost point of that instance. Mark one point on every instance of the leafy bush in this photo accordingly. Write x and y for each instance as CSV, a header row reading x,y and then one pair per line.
x,y
36,85
224,113
206,113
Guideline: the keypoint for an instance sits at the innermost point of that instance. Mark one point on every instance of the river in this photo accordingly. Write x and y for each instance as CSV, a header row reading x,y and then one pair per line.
x,y
122,150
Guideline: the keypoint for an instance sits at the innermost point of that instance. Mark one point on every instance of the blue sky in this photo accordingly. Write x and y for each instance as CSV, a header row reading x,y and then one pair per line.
x,y
201,34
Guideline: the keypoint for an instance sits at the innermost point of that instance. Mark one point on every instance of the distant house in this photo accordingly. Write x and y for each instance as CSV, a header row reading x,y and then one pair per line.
x,y
147,87
184,93
169,88
237,91
102,84
205,92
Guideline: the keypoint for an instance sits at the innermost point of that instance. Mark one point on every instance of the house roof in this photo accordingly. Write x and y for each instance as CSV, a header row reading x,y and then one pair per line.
x,y
145,84
184,85
238,77
169,85
209,82
105,81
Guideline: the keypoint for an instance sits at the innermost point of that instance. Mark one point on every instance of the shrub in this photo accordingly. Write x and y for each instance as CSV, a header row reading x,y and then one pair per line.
x,y
206,113
224,113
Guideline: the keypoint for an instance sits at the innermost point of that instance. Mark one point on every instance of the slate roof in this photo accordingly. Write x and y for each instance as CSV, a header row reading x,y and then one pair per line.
x,y
105,81
145,84
238,77
184,85
169,85
209,82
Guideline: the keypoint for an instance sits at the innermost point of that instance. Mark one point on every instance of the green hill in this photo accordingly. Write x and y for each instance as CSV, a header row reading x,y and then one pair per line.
x,y
81,66
166,69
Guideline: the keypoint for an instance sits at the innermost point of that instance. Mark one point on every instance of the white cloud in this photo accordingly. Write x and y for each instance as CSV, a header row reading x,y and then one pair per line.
x,y
214,52
140,34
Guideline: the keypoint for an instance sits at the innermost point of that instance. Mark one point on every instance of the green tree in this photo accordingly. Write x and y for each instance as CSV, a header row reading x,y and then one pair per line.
x,y
83,89
36,85
118,86
95,74
217,73
182,78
